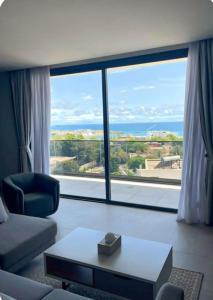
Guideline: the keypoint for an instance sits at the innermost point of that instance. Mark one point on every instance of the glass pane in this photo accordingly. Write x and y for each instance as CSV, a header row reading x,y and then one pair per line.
x,y
77,148
146,108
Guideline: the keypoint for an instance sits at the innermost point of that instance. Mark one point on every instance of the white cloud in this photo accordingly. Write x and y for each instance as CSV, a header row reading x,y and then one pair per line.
x,y
118,114
168,111
143,87
87,97
70,116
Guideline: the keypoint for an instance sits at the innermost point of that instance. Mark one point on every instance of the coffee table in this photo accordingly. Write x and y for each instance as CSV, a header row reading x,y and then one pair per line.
x,y
135,271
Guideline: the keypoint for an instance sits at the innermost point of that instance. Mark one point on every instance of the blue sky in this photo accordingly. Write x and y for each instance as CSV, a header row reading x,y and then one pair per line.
x,y
145,93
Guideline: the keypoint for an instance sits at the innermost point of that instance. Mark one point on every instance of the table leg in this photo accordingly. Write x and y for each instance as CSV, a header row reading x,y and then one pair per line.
x,y
65,285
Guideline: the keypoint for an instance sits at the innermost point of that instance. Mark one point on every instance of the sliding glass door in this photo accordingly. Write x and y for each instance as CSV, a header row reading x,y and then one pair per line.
x,y
77,148
117,131
146,108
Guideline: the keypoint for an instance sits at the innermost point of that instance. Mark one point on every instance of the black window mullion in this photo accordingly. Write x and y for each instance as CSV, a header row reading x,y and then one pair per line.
x,y
106,135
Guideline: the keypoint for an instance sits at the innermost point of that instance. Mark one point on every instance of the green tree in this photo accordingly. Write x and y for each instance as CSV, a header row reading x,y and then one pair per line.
x,y
70,166
168,137
136,162
84,151
177,150
117,157
114,164
157,153
66,136
88,151
135,147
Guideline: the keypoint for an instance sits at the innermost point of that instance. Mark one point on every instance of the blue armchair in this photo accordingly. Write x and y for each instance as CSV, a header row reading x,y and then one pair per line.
x,y
31,194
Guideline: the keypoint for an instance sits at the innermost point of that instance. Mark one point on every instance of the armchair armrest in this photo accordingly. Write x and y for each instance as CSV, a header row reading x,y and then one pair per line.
x,y
169,291
13,196
46,183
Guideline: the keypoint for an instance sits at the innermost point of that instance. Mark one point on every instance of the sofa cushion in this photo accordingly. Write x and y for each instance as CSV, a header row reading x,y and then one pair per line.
x,y
22,288
5,297
3,213
63,295
38,204
22,235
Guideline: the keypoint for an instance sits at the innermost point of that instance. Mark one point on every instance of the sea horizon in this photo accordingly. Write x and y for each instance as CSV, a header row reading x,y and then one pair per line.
x,y
133,129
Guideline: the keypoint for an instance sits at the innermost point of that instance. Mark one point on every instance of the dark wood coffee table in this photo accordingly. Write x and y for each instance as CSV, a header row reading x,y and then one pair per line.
x,y
135,271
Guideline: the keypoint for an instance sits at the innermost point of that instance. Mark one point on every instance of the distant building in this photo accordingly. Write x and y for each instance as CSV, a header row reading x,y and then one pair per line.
x,y
160,134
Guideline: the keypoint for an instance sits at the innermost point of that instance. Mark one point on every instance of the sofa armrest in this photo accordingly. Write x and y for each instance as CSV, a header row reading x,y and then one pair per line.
x,y
5,297
13,196
22,288
170,292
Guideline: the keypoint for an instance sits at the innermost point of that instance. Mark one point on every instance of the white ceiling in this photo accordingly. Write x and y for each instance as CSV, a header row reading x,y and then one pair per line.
x,y
46,32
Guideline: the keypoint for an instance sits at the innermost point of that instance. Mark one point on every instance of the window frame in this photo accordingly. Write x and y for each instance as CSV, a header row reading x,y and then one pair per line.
x,y
103,66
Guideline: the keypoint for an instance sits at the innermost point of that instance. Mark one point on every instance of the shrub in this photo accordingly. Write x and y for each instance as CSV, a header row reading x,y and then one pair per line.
x,y
67,167
136,162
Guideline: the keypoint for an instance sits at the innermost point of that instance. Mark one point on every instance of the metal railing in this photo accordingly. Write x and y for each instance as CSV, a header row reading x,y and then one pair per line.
x,y
129,160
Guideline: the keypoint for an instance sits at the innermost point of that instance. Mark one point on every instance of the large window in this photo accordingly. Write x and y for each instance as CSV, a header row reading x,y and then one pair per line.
x,y
132,112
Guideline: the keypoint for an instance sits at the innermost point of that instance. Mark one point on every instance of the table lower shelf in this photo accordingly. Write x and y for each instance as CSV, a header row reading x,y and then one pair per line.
x,y
123,286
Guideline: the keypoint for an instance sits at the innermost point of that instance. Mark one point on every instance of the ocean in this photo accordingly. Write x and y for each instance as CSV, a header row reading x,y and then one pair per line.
x,y
133,129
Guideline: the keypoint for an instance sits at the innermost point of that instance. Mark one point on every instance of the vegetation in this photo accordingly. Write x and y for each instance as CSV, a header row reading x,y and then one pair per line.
x,y
125,156
84,151
169,137
137,162
177,150
67,167
135,147
118,156
67,136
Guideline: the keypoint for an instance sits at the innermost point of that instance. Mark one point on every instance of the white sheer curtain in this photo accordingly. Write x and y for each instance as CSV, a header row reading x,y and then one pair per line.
x,y
192,196
40,94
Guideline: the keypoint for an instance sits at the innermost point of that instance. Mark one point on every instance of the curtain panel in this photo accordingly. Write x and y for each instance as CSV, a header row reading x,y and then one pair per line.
x,y
31,103
196,197
40,96
192,195
205,90
22,105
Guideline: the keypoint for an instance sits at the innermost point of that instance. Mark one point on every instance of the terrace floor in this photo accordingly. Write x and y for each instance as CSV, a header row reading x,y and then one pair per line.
x,y
126,191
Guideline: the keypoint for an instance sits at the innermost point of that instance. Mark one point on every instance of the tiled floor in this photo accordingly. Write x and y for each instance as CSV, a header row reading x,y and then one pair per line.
x,y
193,245
133,192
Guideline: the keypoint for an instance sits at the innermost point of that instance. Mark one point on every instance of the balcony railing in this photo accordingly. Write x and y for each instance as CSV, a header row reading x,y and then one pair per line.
x,y
129,160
